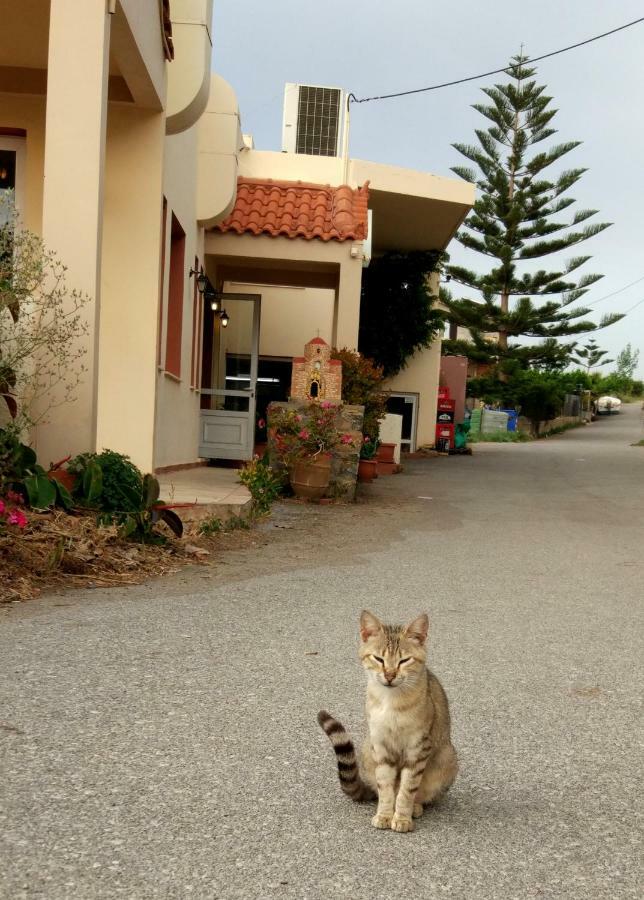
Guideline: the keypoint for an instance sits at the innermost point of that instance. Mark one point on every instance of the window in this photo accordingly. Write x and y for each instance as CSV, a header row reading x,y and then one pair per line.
x,y
176,282
12,152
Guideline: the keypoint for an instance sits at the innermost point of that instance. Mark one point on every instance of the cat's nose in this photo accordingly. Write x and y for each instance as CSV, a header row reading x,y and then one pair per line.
x,y
390,676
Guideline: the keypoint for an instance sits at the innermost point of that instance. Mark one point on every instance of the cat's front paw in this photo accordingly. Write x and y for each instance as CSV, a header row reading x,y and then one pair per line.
x,y
401,823
419,809
381,821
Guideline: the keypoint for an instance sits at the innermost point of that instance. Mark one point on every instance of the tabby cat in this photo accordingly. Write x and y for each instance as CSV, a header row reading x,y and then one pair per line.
x,y
408,759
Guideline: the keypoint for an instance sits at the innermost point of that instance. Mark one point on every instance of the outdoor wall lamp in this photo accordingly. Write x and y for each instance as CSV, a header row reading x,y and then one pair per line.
x,y
223,315
211,296
202,279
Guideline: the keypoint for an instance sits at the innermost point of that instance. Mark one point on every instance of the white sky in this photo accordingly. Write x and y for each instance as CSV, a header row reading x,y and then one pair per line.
x,y
379,46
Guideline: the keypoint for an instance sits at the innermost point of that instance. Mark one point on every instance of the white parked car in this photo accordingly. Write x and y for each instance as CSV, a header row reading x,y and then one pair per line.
x,y
608,405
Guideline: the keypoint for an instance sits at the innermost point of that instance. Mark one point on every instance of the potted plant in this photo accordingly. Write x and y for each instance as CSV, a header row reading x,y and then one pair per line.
x,y
368,464
304,441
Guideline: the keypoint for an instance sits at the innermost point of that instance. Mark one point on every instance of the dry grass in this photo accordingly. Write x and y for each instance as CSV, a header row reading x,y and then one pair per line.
x,y
58,550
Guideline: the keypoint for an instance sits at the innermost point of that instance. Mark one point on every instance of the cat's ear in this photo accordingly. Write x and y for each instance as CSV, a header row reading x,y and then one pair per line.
x,y
417,630
369,625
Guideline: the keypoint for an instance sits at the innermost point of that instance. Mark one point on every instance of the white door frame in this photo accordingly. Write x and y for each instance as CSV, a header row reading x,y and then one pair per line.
x,y
230,434
414,399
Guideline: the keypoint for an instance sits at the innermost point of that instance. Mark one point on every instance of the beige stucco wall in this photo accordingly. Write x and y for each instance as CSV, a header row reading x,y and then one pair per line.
x,y
295,255
290,316
421,376
127,343
219,142
177,404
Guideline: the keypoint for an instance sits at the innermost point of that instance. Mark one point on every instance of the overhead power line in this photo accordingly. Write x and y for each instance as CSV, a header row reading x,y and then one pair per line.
x,y
444,84
614,293
639,303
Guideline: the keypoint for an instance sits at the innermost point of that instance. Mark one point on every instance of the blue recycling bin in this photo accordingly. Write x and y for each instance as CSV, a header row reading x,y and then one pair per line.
x,y
513,418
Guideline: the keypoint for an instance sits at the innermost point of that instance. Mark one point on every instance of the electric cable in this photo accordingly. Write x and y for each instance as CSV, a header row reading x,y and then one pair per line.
x,y
435,87
606,296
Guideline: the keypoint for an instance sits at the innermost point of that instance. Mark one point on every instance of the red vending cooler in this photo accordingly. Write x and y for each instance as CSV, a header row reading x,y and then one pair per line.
x,y
445,425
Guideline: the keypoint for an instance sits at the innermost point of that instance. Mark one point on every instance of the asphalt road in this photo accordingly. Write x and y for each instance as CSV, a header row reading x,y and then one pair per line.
x,y
161,742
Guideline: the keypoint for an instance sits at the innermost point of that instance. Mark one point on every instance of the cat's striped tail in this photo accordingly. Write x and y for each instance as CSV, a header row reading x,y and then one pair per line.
x,y
348,772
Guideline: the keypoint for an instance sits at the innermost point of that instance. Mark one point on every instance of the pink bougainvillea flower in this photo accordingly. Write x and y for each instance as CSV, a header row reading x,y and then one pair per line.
x,y
2,507
298,417
326,404
346,439
366,439
261,423
15,498
17,517
304,434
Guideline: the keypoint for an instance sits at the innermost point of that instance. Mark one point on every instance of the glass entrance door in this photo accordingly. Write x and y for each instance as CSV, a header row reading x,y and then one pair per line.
x,y
229,378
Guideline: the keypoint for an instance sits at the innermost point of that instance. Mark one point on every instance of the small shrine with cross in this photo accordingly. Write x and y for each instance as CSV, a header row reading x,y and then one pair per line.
x,y
315,376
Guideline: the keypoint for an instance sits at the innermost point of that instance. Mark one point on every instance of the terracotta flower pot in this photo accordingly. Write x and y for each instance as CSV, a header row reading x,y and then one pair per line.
x,y
386,452
367,470
310,478
62,476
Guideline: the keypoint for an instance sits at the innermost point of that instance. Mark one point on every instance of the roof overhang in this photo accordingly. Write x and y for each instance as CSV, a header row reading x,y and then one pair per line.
x,y
411,210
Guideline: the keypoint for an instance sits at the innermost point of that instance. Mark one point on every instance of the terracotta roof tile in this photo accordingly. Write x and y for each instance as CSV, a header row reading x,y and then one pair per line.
x,y
296,209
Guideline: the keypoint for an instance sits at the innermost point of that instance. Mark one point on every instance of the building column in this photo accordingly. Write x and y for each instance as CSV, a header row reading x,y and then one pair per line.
x,y
127,369
77,81
347,304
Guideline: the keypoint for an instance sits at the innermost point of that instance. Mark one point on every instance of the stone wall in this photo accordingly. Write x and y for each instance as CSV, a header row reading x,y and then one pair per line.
x,y
344,459
523,424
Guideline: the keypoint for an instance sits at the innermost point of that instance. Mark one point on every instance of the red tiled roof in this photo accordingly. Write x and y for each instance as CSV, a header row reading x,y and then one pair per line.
x,y
296,209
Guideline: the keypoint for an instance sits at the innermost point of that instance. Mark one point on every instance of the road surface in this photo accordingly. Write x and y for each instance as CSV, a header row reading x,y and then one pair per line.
x,y
160,741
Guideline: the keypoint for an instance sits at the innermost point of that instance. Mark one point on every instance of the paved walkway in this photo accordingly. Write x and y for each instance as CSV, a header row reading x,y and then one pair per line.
x,y
212,490
160,741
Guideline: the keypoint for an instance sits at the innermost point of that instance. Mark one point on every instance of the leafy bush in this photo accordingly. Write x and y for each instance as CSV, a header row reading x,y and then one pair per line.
x,y
107,480
538,396
397,312
300,436
21,474
265,485
137,522
362,385
43,327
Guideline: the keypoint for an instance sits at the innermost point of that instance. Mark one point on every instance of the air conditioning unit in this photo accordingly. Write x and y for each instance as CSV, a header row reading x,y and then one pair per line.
x,y
313,120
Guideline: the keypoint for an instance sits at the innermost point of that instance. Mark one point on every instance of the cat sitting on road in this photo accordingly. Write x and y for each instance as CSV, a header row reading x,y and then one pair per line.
x,y
408,758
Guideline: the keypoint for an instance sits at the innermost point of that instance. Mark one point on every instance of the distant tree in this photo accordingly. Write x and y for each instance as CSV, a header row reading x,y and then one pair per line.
x,y
627,361
514,222
589,356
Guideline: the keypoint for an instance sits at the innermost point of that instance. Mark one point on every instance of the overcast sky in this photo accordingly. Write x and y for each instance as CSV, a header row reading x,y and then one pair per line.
x,y
373,47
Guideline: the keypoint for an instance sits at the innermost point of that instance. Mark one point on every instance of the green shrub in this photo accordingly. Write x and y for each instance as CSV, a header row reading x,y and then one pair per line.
x,y
264,484
362,386
117,488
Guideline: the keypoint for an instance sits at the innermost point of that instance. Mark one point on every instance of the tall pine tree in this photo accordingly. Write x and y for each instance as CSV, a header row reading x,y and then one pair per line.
x,y
515,220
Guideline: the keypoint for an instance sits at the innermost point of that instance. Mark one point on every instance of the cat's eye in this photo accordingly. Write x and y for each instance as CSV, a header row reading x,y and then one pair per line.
x,y
378,659
406,659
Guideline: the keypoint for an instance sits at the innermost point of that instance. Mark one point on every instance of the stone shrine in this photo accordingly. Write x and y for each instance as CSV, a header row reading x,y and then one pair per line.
x,y
315,376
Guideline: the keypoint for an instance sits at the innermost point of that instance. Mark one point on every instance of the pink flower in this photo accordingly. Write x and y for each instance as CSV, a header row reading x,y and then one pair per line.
x,y
298,417
15,498
17,517
326,404
346,439
261,423
366,439
2,507
304,434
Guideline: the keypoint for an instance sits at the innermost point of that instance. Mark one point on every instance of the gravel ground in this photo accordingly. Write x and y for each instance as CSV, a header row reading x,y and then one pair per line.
x,y
160,741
